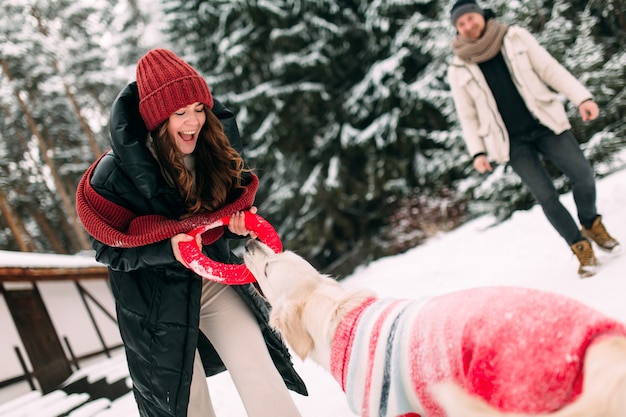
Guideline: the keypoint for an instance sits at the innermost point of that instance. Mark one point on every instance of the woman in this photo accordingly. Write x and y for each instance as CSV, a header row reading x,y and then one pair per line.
x,y
499,79
138,201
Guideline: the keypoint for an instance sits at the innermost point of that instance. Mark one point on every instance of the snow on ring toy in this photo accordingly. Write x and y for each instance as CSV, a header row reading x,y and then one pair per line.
x,y
231,274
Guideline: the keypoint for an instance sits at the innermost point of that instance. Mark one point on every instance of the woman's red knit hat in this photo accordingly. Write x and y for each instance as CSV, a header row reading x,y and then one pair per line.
x,y
166,83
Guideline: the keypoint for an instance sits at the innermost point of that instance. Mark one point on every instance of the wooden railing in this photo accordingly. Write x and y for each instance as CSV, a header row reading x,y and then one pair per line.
x,y
11,277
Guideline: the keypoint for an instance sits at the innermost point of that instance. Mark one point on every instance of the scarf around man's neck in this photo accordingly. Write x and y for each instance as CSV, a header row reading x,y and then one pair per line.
x,y
483,48
117,226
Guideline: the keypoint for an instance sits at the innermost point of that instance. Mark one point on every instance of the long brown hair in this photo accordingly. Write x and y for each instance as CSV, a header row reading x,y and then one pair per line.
x,y
218,167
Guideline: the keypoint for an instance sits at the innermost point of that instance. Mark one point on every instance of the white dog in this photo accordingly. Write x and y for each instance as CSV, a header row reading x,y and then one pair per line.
x,y
494,351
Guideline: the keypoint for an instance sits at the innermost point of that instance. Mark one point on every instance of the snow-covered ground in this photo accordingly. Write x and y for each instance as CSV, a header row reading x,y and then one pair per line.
x,y
523,251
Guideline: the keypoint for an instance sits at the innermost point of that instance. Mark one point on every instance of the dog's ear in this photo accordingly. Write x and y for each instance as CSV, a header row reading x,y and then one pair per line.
x,y
287,320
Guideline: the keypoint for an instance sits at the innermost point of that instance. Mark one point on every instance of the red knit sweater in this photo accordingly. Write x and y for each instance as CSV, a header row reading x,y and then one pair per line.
x,y
117,226
520,349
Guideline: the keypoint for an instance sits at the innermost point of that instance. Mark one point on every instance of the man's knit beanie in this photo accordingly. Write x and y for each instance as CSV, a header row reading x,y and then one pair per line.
x,y
166,83
462,7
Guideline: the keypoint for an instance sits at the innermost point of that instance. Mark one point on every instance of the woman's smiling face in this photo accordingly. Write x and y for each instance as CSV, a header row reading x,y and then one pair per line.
x,y
184,127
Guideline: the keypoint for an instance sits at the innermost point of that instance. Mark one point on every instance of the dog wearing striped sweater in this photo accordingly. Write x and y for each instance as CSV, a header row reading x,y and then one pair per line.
x,y
483,352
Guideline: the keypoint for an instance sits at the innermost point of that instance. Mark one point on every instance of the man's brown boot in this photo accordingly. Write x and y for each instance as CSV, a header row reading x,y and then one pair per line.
x,y
586,257
600,236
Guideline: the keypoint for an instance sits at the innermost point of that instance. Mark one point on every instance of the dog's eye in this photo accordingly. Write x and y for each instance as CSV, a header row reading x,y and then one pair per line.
x,y
267,265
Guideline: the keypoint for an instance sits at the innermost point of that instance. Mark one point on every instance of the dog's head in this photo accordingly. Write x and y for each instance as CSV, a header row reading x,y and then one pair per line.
x,y
305,304
275,273
285,279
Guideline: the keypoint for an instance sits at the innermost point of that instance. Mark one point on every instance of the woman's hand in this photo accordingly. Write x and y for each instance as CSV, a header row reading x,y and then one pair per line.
x,y
237,224
183,237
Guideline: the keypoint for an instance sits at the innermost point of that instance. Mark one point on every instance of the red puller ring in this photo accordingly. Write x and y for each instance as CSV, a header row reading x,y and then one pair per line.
x,y
231,274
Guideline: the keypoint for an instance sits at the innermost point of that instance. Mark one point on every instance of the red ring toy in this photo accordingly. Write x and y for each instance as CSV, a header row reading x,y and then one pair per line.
x,y
231,274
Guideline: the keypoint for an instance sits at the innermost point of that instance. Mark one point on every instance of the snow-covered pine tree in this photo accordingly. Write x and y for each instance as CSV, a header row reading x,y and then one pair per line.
x,y
347,114
59,78
344,105
339,105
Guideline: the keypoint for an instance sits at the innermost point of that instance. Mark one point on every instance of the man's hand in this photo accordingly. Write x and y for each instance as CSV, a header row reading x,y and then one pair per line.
x,y
481,164
588,110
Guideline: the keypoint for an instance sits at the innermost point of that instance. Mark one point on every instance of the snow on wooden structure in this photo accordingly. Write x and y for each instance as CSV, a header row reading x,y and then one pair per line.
x,y
49,297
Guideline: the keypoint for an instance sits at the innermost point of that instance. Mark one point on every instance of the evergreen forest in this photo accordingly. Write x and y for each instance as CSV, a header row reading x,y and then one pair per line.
x,y
343,106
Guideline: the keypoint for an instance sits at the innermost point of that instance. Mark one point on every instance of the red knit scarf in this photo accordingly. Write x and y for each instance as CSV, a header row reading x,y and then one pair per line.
x,y
117,226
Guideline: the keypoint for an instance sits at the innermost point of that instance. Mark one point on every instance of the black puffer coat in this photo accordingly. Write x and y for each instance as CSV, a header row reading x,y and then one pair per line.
x,y
157,298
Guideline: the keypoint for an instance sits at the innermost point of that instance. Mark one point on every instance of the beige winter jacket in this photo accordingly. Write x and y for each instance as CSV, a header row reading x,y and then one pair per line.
x,y
533,69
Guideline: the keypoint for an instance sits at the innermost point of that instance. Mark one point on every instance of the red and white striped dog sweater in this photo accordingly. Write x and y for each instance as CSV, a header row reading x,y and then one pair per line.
x,y
520,349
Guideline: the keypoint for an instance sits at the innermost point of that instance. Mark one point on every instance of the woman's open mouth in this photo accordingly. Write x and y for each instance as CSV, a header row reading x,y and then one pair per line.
x,y
187,136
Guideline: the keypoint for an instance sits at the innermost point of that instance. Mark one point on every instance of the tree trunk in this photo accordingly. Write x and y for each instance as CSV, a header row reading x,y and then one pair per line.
x,y
70,96
15,225
68,207
49,232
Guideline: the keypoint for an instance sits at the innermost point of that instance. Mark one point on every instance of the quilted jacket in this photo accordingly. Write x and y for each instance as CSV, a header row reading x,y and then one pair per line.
x,y
158,299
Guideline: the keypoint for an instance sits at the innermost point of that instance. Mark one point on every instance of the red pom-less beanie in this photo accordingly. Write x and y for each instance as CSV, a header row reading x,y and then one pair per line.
x,y
166,83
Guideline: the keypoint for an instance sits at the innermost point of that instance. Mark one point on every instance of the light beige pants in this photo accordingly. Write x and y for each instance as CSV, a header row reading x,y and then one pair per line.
x,y
234,332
